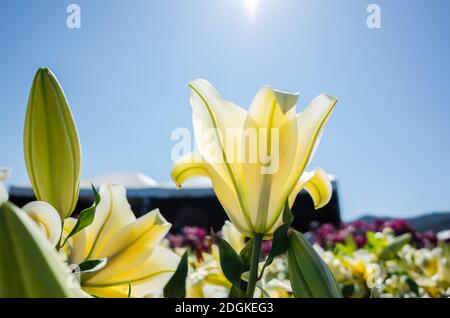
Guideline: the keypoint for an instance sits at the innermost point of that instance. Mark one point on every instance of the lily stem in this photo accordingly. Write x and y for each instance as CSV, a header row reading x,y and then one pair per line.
x,y
254,263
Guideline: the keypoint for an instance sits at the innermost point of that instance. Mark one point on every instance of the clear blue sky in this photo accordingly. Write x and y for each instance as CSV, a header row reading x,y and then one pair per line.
x,y
125,73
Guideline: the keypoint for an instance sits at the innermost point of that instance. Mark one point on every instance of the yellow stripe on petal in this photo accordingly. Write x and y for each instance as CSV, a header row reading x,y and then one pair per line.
x,y
317,184
188,166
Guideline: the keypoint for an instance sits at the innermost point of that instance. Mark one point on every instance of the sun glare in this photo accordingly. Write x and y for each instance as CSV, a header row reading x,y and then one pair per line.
x,y
251,6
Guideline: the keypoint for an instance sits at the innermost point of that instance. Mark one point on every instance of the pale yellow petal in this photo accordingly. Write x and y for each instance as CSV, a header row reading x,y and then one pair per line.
x,y
152,274
216,124
133,244
69,248
317,184
148,230
212,117
47,219
192,165
233,236
310,125
112,214
271,118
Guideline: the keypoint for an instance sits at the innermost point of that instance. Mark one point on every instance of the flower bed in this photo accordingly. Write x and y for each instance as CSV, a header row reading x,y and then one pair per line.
x,y
380,259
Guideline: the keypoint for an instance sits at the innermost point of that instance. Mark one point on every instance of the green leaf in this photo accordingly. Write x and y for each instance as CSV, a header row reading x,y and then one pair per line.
x,y
350,243
176,287
349,247
280,241
245,254
309,275
231,263
348,290
236,292
92,265
412,285
395,246
374,244
51,145
86,216
29,265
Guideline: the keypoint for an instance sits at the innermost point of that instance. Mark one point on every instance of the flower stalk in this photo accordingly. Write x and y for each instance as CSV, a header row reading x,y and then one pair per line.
x,y
254,264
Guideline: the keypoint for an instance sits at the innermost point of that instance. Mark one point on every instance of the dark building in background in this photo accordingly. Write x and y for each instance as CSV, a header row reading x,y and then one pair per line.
x,y
196,206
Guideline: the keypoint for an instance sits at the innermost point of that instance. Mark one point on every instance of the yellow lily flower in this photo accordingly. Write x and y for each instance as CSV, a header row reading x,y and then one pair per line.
x,y
135,261
253,192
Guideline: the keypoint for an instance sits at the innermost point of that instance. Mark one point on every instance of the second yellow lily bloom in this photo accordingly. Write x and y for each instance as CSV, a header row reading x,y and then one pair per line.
x,y
256,160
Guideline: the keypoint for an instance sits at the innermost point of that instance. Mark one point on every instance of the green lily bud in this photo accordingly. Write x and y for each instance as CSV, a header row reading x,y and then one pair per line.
x,y
51,146
29,265
309,275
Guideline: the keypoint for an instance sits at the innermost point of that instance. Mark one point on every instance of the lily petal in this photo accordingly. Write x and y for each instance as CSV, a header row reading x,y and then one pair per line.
x,y
215,124
47,219
148,278
310,125
233,236
188,166
212,117
272,117
193,165
317,184
112,214
132,246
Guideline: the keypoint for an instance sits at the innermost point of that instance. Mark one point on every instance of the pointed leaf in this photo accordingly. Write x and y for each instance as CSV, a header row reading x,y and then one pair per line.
x,y
86,216
245,254
29,265
231,263
309,275
176,287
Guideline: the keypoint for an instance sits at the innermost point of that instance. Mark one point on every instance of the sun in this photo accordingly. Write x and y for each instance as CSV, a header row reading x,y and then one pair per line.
x,y
251,6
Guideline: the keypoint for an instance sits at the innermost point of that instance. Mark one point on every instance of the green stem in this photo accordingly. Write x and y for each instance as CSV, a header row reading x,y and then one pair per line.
x,y
58,245
254,263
